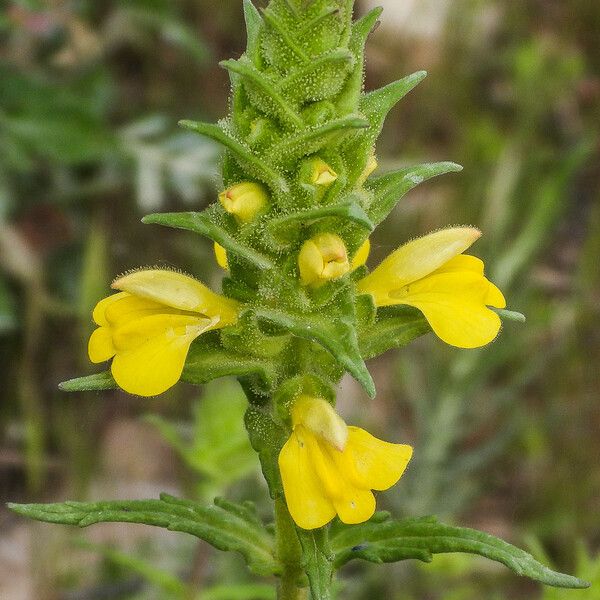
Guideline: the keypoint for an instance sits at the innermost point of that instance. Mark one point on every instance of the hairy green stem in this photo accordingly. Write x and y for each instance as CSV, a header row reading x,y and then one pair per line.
x,y
290,555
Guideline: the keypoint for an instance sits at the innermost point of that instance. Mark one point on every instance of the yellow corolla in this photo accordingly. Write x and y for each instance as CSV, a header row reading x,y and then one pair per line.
x,y
449,288
147,328
328,468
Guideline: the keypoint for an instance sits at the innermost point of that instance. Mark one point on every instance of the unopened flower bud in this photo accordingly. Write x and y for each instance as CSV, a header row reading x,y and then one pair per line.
x,y
321,173
323,258
244,200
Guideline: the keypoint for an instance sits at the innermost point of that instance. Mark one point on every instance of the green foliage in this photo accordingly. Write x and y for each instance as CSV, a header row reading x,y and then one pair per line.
x,y
225,525
386,540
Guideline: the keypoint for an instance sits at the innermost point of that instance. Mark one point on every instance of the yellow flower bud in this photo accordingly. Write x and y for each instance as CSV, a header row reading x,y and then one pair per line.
x,y
221,256
245,200
323,258
322,174
371,166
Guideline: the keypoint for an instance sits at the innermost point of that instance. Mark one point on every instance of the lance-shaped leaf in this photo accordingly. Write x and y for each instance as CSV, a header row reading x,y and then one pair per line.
x,y
390,188
90,383
351,210
263,91
252,163
254,24
335,335
220,526
393,540
349,98
206,362
312,140
394,328
318,562
209,223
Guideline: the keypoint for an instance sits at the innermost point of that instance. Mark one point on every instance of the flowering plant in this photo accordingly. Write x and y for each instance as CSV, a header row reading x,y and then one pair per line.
x,y
299,308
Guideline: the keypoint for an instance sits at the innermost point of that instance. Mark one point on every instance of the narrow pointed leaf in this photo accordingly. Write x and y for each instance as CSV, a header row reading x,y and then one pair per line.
x,y
393,540
257,84
318,567
390,188
91,383
510,315
207,224
221,528
312,140
398,328
336,336
254,25
259,168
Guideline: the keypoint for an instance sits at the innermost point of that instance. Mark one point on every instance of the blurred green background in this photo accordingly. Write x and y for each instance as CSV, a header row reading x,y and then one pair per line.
x,y
506,437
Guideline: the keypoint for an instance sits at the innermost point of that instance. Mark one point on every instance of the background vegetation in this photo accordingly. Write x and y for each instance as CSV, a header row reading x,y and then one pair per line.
x,y
506,437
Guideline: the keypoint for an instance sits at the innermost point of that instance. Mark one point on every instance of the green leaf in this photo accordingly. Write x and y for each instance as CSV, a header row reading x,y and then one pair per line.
x,y
318,562
254,24
509,315
263,92
309,141
393,540
394,328
350,210
206,362
221,528
390,188
90,383
336,336
210,224
257,167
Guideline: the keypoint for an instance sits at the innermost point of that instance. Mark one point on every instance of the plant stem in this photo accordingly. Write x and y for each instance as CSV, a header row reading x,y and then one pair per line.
x,y
289,553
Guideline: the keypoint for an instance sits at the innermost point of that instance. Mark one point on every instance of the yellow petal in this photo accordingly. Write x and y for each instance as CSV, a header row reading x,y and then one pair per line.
x,y
495,297
129,308
152,367
361,256
221,256
357,506
100,346
99,311
306,501
178,291
372,463
320,417
323,258
416,260
454,304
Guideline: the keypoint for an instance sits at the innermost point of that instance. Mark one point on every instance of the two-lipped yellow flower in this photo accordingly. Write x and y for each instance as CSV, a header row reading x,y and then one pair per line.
x,y
329,469
148,327
432,274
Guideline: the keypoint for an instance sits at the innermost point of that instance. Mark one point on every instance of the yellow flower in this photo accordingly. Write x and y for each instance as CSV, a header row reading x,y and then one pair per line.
x,y
449,288
148,327
361,256
323,258
221,256
370,167
245,200
321,173
328,468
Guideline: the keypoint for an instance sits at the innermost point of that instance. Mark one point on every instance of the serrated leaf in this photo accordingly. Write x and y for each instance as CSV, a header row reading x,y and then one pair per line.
x,y
90,383
312,140
336,336
390,188
208,224
394,328
394,540
254,165
318,562
206,362
279,227
221,528
263,92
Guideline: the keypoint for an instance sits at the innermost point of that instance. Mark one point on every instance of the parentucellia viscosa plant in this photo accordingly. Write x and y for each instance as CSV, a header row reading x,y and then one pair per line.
x,y
298,309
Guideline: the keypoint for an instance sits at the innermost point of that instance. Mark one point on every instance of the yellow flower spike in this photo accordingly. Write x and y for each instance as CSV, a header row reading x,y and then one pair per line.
x,y
361,256
449,288
370,168
245,200
148,327
323,258
322,174
322,477
221,257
